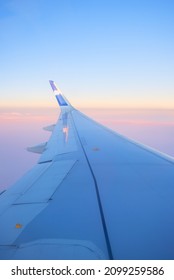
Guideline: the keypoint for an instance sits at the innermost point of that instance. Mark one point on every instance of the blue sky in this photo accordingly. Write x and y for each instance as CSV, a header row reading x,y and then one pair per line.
x,y
101,53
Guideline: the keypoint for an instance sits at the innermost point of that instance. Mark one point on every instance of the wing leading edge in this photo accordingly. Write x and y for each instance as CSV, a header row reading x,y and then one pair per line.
x,y
92,195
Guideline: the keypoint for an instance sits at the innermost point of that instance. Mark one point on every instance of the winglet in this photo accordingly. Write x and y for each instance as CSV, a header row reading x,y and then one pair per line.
x,y
60,99
54,87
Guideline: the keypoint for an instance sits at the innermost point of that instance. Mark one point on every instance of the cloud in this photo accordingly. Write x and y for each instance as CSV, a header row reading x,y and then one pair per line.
x,y
10,115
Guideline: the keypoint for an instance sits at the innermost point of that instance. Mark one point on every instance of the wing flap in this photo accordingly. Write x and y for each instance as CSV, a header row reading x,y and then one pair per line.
x,y
21,186
54,249
42,190
14,221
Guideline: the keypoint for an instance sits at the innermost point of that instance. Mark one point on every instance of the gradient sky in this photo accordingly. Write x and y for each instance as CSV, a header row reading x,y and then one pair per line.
x,y
103,53
107,53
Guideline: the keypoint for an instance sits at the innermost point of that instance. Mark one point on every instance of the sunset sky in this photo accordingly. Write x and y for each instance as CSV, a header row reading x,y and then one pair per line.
x,y
101,53
114,55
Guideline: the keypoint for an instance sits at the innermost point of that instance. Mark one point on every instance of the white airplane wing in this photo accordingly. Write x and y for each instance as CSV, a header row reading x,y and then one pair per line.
x,y
93,194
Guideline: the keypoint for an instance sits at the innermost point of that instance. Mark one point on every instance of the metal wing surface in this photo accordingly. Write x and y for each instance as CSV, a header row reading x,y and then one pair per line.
x,y
94,194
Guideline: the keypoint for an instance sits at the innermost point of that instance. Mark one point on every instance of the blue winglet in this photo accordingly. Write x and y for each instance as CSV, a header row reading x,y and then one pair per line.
x,y
54,88
61,100
58,94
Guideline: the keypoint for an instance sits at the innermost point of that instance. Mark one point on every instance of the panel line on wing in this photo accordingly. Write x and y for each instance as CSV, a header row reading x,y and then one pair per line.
x,y
98,198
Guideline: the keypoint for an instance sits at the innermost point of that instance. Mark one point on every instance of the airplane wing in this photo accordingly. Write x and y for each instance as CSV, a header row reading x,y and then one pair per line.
x,y
93,194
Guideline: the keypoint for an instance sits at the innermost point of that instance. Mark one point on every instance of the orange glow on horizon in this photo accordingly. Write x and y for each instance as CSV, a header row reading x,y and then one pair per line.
x,y
122,104
93,102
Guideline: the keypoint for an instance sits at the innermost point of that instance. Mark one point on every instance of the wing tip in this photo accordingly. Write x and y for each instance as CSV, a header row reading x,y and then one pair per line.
x,y
58,94
54,87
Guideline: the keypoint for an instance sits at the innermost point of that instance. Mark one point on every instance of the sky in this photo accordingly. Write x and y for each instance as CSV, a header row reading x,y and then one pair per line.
x,y
113,56
107,53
